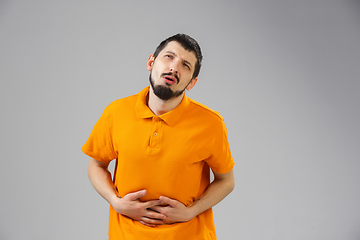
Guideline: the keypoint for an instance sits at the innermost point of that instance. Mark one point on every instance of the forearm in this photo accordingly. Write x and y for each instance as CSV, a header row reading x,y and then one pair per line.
x,y
216,192
101,180
129,205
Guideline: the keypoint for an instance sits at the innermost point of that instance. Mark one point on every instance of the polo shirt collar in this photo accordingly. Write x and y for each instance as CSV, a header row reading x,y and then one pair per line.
x,y
171,117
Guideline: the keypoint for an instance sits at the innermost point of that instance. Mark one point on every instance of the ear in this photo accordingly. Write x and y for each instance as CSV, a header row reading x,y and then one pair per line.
x,y
150,62
191,84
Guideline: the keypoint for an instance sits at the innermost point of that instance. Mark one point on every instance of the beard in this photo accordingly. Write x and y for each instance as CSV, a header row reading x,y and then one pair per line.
x,y
164,92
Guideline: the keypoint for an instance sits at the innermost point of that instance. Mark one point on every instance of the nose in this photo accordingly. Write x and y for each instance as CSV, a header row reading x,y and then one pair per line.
x,y
174,67
173,71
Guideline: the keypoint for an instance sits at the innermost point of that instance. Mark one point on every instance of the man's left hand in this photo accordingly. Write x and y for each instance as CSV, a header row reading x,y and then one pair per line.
x,y
174,211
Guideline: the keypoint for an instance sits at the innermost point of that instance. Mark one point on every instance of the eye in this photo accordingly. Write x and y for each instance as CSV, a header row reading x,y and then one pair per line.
x,y
187,66
169,56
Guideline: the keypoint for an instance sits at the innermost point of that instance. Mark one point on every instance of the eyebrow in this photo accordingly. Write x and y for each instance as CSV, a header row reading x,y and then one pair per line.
x,y
185,61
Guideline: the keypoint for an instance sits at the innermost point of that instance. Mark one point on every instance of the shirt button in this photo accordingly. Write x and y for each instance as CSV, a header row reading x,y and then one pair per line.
x,y
155,134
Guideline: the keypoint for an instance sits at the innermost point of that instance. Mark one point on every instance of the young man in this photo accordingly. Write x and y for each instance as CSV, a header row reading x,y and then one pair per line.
x,y
164,144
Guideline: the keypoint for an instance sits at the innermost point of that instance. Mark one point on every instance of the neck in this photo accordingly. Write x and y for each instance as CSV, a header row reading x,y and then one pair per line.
x,y
159,106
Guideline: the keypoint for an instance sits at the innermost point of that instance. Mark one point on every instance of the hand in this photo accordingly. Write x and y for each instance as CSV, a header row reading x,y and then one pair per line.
x,y
131,207
174,211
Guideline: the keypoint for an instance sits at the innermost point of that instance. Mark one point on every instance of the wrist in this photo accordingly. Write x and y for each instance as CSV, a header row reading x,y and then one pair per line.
x,y
196,208
115,202
192,212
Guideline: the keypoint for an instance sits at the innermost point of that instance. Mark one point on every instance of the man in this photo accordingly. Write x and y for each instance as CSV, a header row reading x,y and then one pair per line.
x,y
164,144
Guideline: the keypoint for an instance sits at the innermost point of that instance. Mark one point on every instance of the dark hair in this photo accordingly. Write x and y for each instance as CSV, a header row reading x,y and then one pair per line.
x,y
186,42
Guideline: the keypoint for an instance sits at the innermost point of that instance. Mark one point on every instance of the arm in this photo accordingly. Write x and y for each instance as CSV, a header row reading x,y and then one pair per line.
x,y
129,205
222,185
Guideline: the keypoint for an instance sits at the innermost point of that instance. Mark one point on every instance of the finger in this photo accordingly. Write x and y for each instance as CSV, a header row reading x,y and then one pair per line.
x,y
151,203
135,195
154,215
146,224
151,221
166,200
158,209
153,209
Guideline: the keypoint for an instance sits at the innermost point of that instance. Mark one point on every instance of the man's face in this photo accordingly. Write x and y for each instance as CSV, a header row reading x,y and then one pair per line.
x,y
172,70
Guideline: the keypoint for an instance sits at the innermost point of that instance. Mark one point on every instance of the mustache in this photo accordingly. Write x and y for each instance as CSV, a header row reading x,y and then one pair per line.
x,y
170,74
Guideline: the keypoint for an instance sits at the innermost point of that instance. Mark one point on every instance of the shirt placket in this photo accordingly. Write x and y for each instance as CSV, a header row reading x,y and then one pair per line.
x,y
155,133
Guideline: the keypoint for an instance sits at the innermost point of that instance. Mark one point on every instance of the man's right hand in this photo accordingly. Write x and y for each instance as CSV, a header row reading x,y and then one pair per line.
x,y
131,207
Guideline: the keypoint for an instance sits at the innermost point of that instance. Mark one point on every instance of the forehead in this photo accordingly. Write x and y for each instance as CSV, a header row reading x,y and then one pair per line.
x,y
180,51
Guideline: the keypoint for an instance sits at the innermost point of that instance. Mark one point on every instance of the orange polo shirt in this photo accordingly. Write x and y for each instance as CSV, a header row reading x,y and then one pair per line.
x,y
168,155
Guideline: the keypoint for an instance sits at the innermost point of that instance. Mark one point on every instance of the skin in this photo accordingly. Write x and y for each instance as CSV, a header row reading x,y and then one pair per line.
x,y
176,60
172,59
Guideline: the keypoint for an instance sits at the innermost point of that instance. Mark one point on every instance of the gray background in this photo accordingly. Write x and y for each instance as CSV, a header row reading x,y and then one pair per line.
x,y
284,74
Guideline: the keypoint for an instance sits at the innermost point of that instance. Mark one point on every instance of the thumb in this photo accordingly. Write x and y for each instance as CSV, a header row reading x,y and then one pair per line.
x,y
135,195
166,200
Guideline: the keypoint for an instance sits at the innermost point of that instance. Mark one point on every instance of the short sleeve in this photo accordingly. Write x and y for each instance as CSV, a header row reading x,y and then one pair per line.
x,y
221,159
99,144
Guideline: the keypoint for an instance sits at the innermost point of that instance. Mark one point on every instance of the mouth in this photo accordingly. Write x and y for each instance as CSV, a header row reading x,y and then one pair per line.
x,y
169,79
